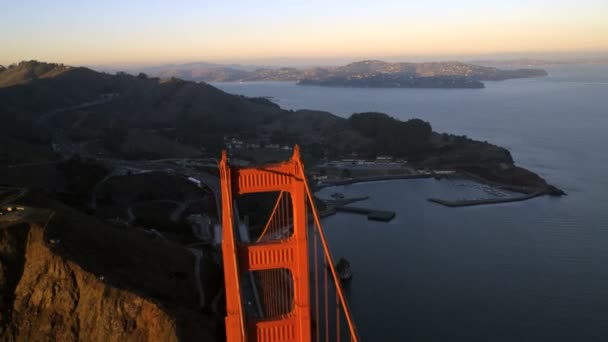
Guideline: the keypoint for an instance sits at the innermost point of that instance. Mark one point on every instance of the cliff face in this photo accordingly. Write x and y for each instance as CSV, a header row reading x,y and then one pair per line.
x,y
12,248
55,299
65,276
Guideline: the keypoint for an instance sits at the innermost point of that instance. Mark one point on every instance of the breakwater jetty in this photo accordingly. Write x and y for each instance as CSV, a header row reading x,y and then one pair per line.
x,y
468,203
349,181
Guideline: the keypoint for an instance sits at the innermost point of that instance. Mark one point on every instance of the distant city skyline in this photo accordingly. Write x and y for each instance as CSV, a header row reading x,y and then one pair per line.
x,y
123,33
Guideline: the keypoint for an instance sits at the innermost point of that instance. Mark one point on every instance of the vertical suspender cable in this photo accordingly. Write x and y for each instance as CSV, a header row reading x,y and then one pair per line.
x,y
275,291
325,261
349,319
338,330
316,266
262,279
285,274
268,293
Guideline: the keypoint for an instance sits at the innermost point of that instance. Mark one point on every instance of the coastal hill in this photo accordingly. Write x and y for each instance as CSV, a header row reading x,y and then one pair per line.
x,y
416,75
119,101
370,73
125,116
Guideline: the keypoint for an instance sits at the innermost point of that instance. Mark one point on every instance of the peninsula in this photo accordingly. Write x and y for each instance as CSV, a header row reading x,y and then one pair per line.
x,y
379,74
81,112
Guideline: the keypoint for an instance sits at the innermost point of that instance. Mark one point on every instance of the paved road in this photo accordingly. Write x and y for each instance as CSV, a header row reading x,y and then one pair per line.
x,y
20,192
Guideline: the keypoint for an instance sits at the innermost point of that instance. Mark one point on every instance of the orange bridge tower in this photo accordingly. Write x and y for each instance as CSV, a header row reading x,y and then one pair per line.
x,y
267,281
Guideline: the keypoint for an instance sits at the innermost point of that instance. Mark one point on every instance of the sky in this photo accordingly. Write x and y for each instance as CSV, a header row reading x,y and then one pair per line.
x,y
109,32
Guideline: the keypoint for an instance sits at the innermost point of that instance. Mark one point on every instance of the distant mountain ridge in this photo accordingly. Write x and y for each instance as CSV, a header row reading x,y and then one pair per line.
x,y
535,63
368,73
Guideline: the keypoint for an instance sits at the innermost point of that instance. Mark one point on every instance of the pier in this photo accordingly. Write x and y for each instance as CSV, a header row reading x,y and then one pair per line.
x,y
372,214
341,205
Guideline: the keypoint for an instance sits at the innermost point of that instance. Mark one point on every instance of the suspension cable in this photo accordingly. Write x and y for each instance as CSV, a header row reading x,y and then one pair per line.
x,y
326,302
270,220
316,266
347,313
338,330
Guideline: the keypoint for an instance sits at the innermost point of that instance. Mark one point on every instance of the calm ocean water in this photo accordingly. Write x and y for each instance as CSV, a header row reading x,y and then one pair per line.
x,y
527,271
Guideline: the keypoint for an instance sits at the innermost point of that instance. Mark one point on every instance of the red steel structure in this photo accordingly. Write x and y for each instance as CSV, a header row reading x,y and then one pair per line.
x,y
279,260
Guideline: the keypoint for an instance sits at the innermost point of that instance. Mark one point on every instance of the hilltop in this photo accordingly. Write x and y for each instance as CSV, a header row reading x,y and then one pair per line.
x,y
97,105
28,71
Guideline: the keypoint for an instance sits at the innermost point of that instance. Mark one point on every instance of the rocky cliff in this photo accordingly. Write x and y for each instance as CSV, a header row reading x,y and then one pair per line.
x,y
64,282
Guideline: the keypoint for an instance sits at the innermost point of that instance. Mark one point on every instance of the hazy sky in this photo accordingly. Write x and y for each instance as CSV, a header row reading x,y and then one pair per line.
x,y
147,32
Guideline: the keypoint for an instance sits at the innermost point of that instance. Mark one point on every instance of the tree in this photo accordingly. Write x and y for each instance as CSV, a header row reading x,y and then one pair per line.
x,y
392,136
316,151
114,137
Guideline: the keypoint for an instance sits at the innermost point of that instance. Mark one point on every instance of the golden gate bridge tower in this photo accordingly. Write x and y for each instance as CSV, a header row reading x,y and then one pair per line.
x,y
282,285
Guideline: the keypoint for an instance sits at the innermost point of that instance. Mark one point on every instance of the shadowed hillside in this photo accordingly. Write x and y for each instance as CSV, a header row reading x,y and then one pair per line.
x,y
87,113
67,276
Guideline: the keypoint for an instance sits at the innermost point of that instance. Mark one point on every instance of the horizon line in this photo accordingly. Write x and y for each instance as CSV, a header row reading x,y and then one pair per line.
x,y
555,56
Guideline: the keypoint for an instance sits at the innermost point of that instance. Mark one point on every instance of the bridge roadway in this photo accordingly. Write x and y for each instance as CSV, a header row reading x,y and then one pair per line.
x,y
249,287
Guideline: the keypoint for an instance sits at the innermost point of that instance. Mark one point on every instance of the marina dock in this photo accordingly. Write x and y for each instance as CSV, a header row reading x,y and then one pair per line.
x,y
372,214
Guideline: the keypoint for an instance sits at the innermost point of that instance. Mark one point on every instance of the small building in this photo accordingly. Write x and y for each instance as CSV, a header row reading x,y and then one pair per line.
x,y
384,159
195,181
319,177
